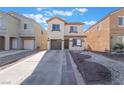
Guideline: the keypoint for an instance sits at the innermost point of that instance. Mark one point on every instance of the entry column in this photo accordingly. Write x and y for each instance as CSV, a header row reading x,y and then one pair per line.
x,y
49,44
62,44
7,43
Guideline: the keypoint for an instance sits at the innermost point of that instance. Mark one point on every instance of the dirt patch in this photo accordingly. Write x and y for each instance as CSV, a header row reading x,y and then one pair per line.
x,y
92,72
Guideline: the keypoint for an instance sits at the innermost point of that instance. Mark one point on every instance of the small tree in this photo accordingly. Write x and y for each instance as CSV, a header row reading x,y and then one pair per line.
x,y
118,46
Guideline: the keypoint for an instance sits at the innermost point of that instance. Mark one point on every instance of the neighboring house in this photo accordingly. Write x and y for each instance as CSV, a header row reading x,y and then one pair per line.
x,y
65,35
19,32
44,38
106,33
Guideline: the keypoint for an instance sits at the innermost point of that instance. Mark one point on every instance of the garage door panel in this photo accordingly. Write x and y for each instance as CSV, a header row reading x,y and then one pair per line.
x,y
1,43
29,44
56,44
14,43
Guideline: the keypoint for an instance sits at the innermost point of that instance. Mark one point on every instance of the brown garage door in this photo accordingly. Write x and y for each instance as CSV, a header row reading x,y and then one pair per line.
x,y
56,44
1,43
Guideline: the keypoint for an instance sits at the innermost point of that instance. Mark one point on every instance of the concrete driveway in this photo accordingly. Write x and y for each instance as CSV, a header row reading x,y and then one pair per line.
x,y
55,67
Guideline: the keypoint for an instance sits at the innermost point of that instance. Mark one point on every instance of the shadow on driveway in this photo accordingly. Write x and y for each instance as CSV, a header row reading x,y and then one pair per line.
x,y
54,68
48,71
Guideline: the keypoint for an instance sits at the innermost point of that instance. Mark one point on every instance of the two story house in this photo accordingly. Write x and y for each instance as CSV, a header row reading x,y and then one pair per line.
x,y
106,33
65,35
19,32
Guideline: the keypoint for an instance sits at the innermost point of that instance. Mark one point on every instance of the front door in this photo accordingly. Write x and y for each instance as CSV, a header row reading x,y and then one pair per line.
x,y
66,44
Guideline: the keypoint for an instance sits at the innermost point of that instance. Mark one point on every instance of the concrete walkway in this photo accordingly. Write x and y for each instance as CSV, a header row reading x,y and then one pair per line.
x,y
18,72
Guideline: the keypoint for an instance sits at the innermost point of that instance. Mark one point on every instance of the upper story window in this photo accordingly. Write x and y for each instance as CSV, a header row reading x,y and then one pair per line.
x,y
0,21
121,21
73,29
55,27
26,26
41,32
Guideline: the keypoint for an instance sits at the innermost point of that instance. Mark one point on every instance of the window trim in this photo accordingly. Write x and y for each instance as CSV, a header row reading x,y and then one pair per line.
x,y
25,25
73,31
29,26
1,21
121,38
56,29
118,21
76,42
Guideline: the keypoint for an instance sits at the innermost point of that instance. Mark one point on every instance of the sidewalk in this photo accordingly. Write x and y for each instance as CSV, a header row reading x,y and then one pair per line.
x,y
18,72
11,52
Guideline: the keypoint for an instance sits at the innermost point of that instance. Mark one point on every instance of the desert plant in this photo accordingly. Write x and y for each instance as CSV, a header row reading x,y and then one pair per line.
x,y
118,46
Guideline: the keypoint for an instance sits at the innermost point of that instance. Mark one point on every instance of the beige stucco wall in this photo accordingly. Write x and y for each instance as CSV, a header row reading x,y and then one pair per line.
x,y
10,25
33,31
44,40
3,28
13,26
115,29
25,32
56,34
79,33
64,31
79,30
99,39
10,28
37,34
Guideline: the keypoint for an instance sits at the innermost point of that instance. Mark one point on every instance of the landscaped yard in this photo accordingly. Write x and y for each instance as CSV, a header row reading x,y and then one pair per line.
x,y
98,69
93,73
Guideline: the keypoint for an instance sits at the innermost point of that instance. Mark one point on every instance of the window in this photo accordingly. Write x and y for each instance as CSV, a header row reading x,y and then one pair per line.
x,y
73,29
0,21
99,27
121,21
25,26
120,39
77,42
55,27
41,32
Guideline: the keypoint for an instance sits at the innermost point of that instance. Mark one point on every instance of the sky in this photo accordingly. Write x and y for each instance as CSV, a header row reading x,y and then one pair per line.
x,y
87,15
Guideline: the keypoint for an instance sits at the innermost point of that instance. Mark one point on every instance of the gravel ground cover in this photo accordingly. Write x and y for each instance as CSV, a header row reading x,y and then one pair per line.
x,y
92,72
115,67
118,57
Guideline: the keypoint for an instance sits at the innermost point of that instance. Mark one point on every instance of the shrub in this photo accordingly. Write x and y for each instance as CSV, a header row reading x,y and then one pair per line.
x,y
118,46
